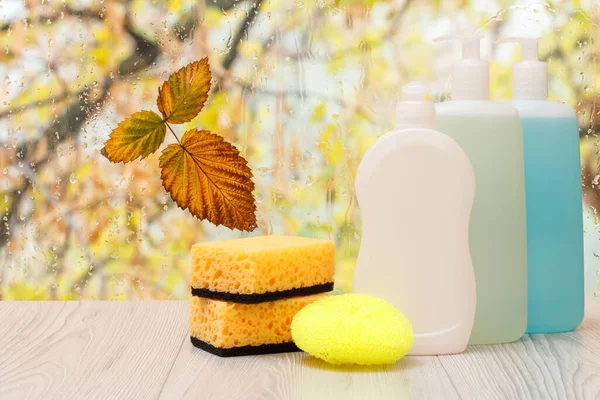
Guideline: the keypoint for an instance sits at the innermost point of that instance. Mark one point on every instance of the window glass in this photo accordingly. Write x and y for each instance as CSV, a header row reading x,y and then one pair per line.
x,y
301,87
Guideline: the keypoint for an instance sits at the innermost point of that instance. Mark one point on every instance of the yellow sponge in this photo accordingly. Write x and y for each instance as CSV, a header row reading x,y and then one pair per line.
x,y
263,268
353,328
230,329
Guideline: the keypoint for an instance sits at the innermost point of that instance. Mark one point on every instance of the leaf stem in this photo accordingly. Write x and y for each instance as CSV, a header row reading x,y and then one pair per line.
x,y
173,132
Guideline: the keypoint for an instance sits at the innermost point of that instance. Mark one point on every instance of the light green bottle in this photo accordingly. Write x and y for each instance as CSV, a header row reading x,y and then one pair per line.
x,y
490,134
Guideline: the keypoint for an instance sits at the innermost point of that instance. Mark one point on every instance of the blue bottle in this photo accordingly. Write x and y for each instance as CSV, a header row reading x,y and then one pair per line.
x,y
555,271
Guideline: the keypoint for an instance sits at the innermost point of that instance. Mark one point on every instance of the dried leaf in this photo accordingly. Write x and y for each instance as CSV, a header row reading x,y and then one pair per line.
x,y
182,96
137,136
207,175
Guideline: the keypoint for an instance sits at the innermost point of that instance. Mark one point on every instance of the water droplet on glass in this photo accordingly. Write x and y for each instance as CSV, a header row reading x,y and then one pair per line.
x,y
72,178
263,171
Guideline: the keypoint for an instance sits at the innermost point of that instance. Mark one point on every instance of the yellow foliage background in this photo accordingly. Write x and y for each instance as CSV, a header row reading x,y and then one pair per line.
x,y
302,87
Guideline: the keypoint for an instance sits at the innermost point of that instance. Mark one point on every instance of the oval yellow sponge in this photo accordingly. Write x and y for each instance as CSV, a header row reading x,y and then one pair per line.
x,y
353,328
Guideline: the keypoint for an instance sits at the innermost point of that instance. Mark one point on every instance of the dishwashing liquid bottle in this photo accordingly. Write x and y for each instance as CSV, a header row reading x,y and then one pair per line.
x,y
490,134
415,189
555,283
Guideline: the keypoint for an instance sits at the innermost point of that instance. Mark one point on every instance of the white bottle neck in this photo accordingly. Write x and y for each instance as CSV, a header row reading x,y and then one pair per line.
x,y
415,114
530,81
471,80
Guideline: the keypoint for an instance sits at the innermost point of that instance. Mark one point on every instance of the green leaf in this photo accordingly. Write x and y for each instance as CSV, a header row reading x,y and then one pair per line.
x,y
137,136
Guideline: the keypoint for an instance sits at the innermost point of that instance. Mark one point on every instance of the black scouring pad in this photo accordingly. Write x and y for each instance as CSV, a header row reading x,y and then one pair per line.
x,y
262,297
245,350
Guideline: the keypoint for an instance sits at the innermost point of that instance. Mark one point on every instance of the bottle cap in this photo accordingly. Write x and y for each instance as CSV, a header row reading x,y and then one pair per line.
x,y
530,75
471,75
413,111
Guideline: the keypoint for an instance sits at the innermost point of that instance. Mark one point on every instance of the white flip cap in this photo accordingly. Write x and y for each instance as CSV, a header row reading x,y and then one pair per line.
x,y
471,75
530,75
413,111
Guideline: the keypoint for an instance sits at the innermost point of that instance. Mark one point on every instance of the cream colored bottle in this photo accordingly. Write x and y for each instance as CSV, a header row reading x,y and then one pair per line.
x,y
415,189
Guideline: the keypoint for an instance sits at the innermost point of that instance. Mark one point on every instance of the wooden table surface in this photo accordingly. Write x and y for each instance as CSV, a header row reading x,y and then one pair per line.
x,y
141,350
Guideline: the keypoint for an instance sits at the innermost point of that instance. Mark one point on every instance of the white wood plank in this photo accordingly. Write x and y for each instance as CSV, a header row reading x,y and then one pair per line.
x,y
410,378
142,350
556,366
197,374
88,349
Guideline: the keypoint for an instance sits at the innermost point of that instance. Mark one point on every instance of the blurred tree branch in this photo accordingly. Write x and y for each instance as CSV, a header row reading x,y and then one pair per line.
x,y
56,15
34,104
393,27
90,100
68,125
242,32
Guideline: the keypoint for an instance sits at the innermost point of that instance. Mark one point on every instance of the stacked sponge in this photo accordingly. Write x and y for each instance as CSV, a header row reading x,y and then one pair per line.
x,y
245,292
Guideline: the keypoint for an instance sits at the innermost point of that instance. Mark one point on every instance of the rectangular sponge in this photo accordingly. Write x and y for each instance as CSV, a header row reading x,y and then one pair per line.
x,y
229,329
264,268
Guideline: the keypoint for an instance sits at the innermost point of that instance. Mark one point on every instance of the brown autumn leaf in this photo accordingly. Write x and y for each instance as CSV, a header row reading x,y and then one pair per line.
x,y
207,175
203,173
182,96
137,136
